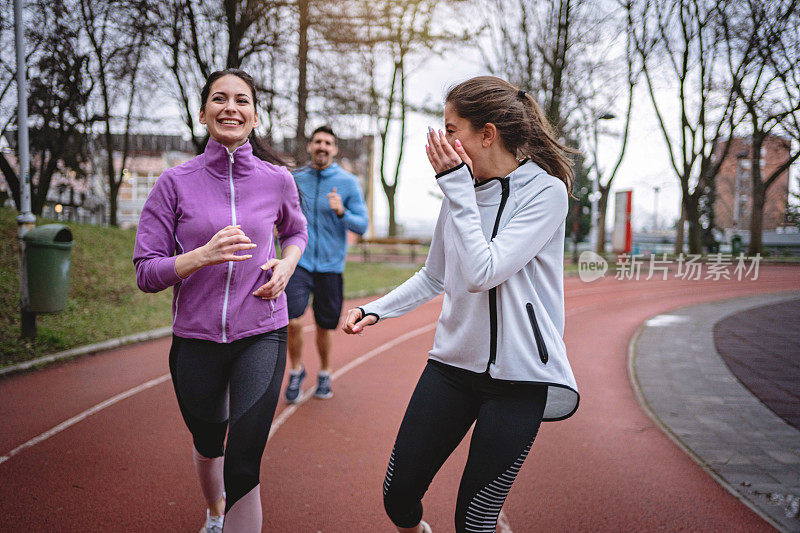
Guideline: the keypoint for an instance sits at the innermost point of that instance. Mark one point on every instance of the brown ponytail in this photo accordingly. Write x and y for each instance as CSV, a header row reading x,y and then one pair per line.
x,y
519,121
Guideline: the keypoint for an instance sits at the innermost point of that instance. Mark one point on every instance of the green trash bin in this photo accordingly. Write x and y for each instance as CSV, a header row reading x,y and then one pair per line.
x,y
48,250
736,245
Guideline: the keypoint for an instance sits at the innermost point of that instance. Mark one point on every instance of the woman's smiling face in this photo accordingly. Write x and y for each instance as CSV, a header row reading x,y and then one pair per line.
x,y
229,113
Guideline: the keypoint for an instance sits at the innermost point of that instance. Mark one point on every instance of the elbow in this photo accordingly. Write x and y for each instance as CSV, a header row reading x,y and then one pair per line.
x,y
146,287
358,226
475,287
143,283
479,281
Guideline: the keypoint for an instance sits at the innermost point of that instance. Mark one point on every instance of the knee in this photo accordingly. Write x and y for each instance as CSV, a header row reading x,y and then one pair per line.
x,y
209,441
402,508
295,327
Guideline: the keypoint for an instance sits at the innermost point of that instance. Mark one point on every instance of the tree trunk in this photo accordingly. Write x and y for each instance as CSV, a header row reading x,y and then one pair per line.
x,y
692,215
112,210
389,192
757,218
758,194
679,231
235,35
302,84
12,179
602,207
559,64
39,193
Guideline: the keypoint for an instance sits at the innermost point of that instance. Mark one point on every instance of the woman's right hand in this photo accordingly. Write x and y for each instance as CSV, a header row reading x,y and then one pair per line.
x,y
223,245
218,250
356,321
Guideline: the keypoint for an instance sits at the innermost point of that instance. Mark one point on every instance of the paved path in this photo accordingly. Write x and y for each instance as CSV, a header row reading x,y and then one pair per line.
x,y
761,347
127,467
693,393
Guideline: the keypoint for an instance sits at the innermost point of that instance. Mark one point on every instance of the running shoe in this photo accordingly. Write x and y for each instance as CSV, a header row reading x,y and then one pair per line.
x,y
213,523
295,380
323,391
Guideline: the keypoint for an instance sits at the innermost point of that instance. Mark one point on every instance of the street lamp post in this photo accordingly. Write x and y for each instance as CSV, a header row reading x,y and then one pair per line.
x,y
26,220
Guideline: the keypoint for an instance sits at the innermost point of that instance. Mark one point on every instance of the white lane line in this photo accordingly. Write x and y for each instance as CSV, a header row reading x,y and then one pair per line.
x,y
502,523
96,409
77,418
289,411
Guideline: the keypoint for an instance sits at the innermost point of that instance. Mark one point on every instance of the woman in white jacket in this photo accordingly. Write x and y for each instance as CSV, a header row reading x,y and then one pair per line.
x,y
498,358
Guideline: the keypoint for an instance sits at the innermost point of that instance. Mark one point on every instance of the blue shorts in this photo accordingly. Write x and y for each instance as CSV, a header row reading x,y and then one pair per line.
x,y
328,290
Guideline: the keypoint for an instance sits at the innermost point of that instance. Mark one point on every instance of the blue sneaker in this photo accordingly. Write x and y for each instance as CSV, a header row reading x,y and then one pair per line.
x,y
295,380
323,391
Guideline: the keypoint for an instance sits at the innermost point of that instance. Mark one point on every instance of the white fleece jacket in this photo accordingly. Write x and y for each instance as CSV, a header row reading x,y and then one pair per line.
x,y
503,310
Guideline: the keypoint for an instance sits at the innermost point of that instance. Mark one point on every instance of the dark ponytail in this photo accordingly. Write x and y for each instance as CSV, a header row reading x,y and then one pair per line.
x,y
261,149
519,120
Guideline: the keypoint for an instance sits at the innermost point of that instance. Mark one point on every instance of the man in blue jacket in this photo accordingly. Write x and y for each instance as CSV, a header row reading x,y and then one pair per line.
x,y
333,204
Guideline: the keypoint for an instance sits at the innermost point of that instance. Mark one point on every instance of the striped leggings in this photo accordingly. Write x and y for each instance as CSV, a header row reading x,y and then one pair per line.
x,y
445,403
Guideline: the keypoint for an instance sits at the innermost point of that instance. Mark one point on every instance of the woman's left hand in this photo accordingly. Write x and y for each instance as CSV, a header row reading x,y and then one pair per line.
x,y
443,156
282,270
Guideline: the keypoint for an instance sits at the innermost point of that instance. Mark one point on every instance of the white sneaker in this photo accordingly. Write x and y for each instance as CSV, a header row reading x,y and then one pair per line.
x,y
213,523
425,527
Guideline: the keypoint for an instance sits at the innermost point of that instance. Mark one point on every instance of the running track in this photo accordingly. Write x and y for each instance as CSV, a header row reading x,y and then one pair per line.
x,y
127,467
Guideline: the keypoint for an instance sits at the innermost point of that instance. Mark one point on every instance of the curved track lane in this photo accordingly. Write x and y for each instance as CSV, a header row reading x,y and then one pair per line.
x,y
128,468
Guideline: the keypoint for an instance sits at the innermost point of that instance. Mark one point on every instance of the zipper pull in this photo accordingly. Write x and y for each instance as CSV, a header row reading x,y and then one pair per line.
x,y
230,154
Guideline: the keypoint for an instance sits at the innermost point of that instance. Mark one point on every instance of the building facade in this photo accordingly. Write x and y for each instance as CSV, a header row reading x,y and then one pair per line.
x,y
734,187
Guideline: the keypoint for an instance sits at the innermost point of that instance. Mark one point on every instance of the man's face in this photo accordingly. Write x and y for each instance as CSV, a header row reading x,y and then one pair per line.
x,y
322,149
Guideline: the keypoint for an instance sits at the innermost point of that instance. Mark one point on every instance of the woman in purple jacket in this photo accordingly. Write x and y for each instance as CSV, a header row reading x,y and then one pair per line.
x,y
207,230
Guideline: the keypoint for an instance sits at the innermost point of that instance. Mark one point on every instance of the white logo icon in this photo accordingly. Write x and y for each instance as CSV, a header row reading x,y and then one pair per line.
x,y
591,266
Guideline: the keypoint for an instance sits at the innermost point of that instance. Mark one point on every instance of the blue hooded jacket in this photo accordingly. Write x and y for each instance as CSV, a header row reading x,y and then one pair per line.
x,y
327,232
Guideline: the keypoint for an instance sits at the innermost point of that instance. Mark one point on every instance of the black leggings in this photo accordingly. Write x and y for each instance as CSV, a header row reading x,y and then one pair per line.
x,y
444,405
240,380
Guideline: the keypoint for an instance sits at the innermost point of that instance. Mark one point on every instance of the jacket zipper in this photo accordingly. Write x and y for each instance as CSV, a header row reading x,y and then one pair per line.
x,y
270,250
316,216
230,263
537,334
504,182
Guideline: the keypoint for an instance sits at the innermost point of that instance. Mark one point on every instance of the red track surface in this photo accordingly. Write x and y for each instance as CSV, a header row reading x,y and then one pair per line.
x,y
128,467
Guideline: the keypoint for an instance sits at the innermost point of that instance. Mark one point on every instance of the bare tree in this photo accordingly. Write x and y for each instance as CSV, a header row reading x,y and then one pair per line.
x,y
58,94
200,37
549,48
762,42
117,33
611,91
680,41
386,42
406,31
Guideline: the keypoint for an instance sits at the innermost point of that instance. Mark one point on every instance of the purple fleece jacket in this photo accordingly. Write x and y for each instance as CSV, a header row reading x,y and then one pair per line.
x,y
187,206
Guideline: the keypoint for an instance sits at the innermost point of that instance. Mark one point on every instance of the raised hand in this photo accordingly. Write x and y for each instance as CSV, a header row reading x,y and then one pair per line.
x,y
443,156
335,202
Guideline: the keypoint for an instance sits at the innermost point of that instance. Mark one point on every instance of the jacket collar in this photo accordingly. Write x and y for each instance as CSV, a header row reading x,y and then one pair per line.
x,y
217,159
327,172
488,191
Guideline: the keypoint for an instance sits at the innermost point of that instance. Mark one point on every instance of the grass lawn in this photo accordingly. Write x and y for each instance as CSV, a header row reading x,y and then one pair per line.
x,y
104,301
